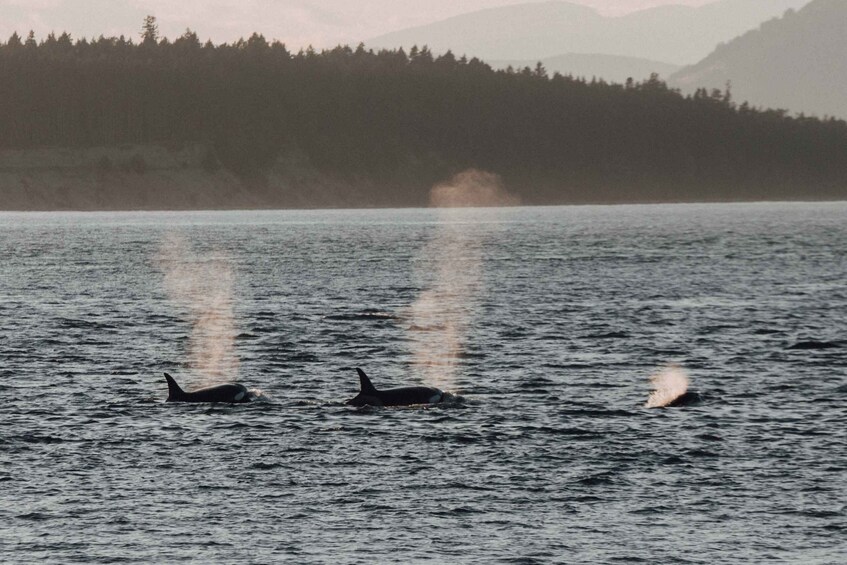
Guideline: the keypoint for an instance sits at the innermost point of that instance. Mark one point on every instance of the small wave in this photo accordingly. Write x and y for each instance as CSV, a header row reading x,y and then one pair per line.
x,y
815,513
535,382
35,516
366,315
702,453
514,333
586,499
34,438
609,335
597,413
816,345
598,479
258,395
717,328
452,400
525,561
263,466
316,403
78,324
555,337
602,385
649,510
566,366
467,486
460,510
265,315
535,390
669,353
574,432
303,358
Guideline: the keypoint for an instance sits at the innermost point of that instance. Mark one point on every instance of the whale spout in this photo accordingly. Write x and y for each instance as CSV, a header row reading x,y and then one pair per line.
x,y
670,388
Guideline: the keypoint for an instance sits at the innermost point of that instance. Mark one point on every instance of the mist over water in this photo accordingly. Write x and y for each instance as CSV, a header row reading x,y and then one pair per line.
x,y
552,458
472,189
201,287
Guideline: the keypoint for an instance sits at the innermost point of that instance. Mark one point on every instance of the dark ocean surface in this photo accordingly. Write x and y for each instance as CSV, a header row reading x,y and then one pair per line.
x,y
547,322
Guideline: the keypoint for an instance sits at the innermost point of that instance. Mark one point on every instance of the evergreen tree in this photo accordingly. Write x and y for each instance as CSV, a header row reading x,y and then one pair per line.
x,y
149,31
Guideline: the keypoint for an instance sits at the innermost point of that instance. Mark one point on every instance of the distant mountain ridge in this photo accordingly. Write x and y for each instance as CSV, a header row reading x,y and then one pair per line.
x,y
797,62
674,34
611,68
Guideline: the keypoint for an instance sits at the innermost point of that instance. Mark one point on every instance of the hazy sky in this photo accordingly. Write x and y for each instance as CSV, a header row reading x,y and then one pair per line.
x,y
322,23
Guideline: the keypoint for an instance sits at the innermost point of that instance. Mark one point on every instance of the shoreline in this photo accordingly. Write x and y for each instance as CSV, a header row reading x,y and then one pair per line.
x,y
728,203
154,178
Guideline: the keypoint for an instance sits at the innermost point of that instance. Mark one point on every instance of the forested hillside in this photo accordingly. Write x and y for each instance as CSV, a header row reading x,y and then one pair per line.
x,y
396,123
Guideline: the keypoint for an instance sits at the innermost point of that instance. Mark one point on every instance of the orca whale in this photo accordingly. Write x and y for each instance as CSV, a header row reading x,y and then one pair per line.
x,y
687,399
232,393
404,396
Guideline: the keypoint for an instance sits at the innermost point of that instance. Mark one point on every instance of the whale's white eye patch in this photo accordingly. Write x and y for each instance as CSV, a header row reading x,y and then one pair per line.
x,y
436,398
239,396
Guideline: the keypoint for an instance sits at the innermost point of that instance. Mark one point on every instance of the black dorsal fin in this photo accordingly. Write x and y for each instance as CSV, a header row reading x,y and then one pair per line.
x,y
174,392
365,382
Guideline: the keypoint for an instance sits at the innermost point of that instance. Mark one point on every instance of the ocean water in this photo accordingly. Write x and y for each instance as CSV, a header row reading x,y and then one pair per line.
x,y
546,322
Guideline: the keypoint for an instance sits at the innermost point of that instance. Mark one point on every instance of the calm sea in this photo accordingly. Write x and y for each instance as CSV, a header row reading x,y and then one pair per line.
x,y
547,322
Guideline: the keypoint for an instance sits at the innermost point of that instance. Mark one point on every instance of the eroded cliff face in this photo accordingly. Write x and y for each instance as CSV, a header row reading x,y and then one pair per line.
x,y
135,177
126,177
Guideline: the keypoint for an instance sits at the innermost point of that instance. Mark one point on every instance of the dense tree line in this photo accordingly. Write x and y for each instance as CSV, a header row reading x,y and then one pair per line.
x,y
392,115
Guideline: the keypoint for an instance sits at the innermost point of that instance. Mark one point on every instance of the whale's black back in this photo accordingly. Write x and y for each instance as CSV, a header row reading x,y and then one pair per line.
x,y
403,396
687,399
231,393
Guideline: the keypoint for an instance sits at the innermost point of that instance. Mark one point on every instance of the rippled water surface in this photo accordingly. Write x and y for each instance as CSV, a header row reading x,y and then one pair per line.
x,y
547,321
